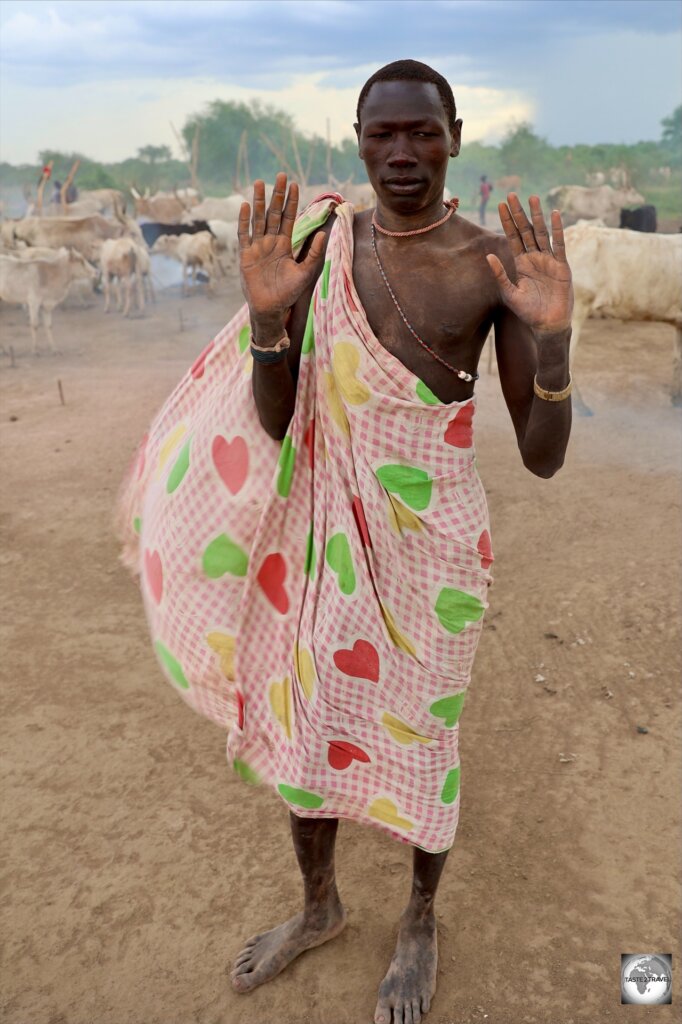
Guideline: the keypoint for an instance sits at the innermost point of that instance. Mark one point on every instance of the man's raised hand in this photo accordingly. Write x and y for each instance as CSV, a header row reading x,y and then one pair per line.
x,y
271,278
543,294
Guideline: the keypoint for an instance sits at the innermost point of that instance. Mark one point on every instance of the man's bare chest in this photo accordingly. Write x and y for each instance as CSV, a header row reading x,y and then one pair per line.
x,y
449,300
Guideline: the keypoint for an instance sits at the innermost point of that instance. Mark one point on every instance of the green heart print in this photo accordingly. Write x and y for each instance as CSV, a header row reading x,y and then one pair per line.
x,y
244,339
412,485
301,797
425,393
180,467
171,665
339,558
456,609
449,709
245,772
448,793
287,458
223,555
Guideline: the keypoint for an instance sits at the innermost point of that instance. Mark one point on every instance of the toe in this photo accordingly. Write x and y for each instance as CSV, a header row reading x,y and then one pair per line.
x,y
382,1014
242,982
246,954
398,1015
243,968
426,1004
416,1012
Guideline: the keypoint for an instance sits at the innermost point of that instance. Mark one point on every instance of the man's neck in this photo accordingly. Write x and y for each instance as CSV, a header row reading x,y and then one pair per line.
x,y
399,220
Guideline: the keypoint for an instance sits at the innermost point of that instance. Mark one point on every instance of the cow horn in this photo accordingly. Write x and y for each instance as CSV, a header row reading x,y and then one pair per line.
x,y
135,193
147,193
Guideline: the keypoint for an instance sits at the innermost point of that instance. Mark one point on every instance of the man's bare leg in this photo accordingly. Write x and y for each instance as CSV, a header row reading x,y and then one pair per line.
x,y
407,989
323,916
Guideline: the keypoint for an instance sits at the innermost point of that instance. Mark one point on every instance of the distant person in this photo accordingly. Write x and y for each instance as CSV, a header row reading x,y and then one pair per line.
x,y
308,523
484,193
71,193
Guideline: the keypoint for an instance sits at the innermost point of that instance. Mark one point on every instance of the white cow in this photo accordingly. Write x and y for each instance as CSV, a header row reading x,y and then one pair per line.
x,y
215,209
125,263
629,275
575,202
193,251
42,285
165,207
82,233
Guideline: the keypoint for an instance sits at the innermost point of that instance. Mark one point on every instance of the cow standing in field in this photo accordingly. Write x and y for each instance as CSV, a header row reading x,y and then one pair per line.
x,y
642,218
84,234
628,275
124,262
163,207
575,202
41,285
194,252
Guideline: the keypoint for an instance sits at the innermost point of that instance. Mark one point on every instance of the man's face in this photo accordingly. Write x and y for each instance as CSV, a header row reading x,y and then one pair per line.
x,y
405,142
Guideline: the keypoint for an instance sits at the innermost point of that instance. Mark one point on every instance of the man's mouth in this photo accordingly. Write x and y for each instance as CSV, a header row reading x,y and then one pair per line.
x,y
403,183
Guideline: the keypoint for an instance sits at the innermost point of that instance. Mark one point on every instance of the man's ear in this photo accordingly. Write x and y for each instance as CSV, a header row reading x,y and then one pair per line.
x,y
456,137
357,133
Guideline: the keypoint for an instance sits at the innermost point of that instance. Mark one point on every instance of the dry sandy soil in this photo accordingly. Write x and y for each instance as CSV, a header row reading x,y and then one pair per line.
x,y
138,862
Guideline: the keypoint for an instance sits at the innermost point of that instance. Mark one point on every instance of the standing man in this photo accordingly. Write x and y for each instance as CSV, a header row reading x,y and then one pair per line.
x,y
484,192
307,517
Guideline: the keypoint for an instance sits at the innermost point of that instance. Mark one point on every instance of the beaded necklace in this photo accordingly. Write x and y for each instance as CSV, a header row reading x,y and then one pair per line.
x,y
453,204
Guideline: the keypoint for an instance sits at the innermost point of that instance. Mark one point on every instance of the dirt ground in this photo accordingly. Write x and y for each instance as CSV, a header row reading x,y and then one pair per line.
x,y
137,862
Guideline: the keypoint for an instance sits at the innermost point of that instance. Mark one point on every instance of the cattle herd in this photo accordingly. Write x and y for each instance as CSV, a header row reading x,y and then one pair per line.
x,y
621,267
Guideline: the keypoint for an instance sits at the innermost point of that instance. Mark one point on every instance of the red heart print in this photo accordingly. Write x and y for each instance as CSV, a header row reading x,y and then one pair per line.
x,y
341,754
485,550
361,522
199,364
362,661
231,459
154,573
459,431
309,441
271,577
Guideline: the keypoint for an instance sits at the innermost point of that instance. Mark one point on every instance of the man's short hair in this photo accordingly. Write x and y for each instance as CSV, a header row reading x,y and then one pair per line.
x,y
412,71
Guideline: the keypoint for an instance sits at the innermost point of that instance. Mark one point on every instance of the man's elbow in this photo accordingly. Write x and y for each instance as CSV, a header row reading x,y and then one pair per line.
x,y
543,468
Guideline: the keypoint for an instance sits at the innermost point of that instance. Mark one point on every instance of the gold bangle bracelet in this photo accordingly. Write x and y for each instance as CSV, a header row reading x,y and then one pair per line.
x,y
553,396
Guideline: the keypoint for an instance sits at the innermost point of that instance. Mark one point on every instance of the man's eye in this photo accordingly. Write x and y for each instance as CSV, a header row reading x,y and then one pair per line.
x,y
379,135
428,135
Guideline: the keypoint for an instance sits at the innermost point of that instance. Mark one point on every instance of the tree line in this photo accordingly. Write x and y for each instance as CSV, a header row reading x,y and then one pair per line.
x,y
229,144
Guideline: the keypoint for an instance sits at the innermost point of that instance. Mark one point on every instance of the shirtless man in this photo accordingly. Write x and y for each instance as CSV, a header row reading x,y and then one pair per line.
x,y
454,283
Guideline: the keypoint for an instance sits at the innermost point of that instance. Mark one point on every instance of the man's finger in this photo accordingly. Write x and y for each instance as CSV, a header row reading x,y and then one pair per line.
x,y
510,229
314,252
274,215
507,289
523,224
558,243
290,208
258,223
539,225
243,226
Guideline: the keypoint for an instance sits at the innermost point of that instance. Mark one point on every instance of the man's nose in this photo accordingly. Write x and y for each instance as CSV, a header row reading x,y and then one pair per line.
x,y
402,155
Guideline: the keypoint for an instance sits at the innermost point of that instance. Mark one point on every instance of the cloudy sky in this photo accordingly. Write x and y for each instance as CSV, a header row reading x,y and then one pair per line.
x,y
104,78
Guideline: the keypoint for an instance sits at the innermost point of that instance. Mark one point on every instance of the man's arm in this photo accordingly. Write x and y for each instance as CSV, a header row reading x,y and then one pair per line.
x,y
274,386
533,331
542,428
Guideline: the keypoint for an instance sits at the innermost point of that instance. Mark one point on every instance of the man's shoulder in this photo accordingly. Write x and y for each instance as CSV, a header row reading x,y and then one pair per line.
x,y
477,237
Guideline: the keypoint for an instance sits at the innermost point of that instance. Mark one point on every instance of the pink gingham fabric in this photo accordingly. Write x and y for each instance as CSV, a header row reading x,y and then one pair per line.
x,y
322,598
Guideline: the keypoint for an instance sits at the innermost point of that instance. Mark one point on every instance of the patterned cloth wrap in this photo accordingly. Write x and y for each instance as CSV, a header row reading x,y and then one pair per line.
x,y
320,597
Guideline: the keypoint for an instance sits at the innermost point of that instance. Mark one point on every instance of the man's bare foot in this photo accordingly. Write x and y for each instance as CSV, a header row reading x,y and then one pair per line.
x,y
265,955
405,993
